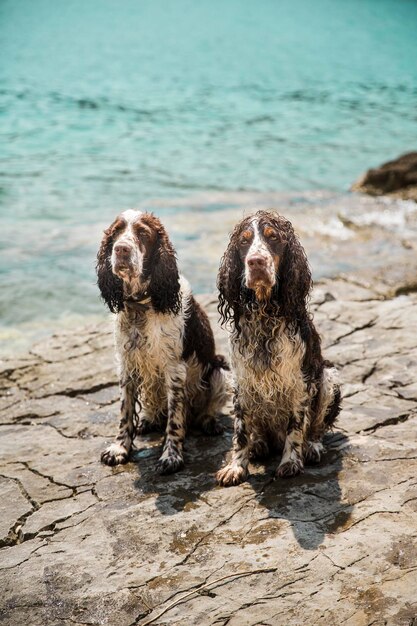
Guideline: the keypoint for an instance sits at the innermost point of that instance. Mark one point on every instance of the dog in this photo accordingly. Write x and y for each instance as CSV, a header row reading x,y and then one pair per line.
x,y
168,370
286,396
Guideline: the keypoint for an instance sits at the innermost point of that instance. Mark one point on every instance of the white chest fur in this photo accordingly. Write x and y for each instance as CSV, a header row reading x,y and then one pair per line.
x,y
267,362
153,341
147,350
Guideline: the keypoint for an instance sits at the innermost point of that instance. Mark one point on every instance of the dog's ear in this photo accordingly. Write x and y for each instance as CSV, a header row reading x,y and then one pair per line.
x,y
229,282
111,286
164,286
294,275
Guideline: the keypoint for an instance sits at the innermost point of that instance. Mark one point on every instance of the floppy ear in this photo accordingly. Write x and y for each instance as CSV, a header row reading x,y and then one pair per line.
x,y
111,286
229,282
164,286
294,276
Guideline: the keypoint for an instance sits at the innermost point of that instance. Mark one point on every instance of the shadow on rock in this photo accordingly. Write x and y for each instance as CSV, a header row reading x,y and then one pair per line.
x,y
177,492
311,502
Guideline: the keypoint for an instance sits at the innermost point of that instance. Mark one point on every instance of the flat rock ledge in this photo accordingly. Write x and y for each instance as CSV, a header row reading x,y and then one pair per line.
x,y
88,544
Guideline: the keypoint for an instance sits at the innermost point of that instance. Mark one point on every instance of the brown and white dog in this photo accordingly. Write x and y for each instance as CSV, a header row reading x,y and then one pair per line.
x,y
286,395
168,370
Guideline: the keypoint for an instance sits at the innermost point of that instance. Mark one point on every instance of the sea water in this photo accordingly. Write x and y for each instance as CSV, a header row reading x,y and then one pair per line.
x,y
190,108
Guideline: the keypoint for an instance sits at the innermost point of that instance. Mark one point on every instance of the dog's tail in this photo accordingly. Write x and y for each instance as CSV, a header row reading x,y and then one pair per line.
x,y
327,405
219,380
222,377
331,388
333,409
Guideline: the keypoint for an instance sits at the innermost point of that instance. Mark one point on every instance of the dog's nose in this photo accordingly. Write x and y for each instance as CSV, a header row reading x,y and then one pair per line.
x,y
122,250
256,262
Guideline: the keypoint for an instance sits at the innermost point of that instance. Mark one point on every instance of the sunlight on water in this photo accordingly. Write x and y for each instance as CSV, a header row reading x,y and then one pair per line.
x,y
106,105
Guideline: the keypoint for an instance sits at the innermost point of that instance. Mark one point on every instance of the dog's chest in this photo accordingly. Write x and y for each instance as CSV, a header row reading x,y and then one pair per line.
x,y
151,344
267,362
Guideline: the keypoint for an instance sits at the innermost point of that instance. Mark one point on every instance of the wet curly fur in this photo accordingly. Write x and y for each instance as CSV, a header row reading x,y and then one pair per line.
x,y
286,394
168,370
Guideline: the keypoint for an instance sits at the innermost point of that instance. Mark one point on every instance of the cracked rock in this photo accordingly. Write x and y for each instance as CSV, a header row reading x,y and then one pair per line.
x,y
90,544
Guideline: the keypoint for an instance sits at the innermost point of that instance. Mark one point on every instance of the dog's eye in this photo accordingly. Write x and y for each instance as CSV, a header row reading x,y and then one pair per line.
x,y
270,234
246,237
142,235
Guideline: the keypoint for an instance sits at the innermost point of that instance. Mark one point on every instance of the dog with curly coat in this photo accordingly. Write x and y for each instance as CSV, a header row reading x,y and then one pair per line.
x,y
286,395
168,371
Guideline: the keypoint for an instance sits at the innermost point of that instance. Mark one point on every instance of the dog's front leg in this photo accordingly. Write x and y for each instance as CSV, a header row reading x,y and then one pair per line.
x,y
172,455
292,456
118,452
236,470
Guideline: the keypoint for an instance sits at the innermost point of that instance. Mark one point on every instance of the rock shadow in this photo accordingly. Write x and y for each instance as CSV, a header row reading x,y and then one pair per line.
x,y
177,492
311,502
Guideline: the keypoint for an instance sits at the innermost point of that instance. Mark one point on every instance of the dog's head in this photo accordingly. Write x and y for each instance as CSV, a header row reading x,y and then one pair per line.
x,y
265,263
136,260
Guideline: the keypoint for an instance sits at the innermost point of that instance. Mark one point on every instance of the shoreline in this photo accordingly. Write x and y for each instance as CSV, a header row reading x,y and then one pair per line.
x,y
348,235
385,283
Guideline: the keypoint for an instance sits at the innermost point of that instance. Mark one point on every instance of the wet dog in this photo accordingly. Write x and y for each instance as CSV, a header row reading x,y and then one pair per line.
x,y
168,370
286,395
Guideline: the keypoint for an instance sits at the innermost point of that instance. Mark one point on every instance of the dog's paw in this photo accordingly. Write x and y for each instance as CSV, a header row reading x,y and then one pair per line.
x,y
212,427
231,475
290,468
169,464
115,454
314,452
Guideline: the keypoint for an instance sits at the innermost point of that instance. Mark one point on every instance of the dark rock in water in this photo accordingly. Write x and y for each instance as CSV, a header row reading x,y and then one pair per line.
x,y
398,177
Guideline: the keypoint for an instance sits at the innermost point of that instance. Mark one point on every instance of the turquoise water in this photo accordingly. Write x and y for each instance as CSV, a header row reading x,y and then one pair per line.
x,y
106,105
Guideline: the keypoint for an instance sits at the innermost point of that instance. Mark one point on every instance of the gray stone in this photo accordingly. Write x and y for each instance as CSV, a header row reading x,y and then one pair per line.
x,y
88,544
15,505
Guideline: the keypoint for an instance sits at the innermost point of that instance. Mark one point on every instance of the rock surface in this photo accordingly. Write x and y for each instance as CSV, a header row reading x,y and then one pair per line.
x,y
87,544
397,177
